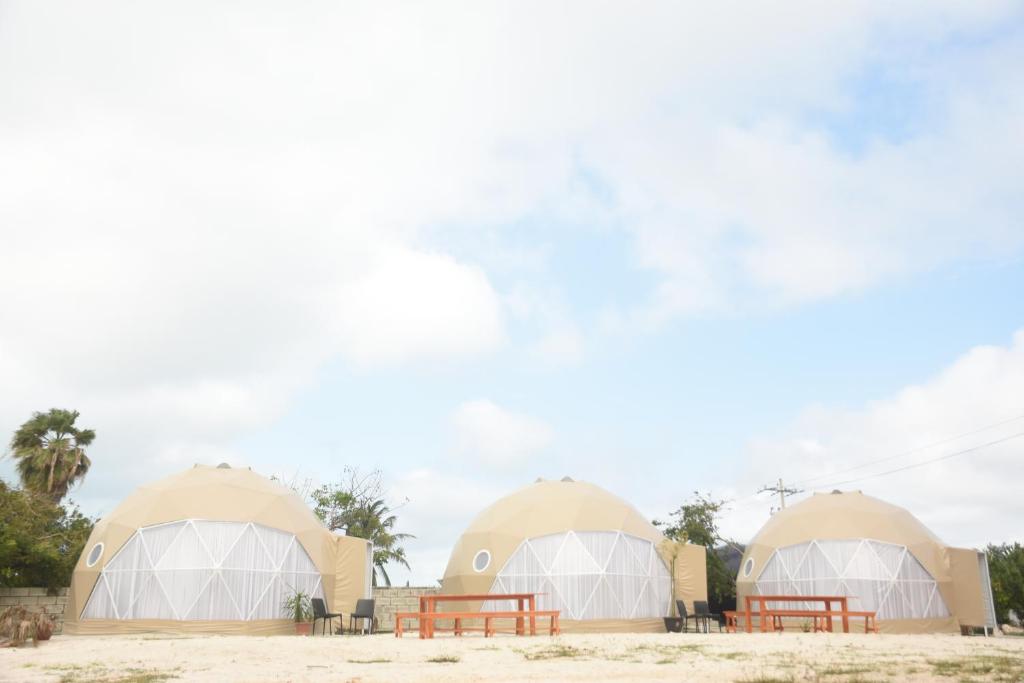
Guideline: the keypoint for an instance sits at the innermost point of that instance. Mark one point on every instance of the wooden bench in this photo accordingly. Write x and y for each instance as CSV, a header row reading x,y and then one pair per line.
x,y
732,616
488,618
819,619
870,620
822,620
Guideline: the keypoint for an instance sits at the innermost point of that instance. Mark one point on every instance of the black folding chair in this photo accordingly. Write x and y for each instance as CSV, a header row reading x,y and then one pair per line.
x,y
704,612
364,610
320,612
685,617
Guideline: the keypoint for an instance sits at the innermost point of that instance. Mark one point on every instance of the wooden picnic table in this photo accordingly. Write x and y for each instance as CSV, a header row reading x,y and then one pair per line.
x,y
827,600
428,604
488,618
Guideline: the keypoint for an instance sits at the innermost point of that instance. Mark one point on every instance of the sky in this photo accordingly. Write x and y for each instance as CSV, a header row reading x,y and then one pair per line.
x,y
664,248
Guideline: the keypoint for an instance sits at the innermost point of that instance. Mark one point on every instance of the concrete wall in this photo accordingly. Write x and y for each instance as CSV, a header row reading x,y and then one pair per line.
x,y
395,599
37,600
388,601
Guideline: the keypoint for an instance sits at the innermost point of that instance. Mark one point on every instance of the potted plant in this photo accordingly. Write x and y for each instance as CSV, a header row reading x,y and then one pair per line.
x,y
300,610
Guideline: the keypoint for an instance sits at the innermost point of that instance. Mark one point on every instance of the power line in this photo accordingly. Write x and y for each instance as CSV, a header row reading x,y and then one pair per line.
x,y
897,456
911,451
926,462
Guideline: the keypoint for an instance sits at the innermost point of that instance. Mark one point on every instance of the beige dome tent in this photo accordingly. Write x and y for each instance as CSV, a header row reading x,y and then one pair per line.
x,y
586,552
878,554
212,549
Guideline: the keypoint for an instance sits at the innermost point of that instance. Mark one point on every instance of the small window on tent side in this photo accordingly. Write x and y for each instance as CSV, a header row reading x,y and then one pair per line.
x,y
748,566
481,560
94,555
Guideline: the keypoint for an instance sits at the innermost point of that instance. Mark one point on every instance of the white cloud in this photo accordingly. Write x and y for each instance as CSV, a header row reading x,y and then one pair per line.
x,y
190,229
436,517
544,312
498,436
413,304
561,346
971,499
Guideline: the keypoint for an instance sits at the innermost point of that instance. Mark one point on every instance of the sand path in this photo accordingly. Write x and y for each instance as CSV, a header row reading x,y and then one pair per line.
x,y
626,657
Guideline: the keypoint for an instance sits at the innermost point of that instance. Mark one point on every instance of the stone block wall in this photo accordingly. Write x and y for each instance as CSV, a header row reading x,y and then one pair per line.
x,y
37,599
388,601
395,599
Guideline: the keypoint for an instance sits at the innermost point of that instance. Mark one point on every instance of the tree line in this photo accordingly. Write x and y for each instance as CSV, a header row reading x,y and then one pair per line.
x,y
41,536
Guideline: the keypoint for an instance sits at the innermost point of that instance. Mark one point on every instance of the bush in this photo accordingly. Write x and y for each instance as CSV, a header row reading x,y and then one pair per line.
x,y
40,540
1006,568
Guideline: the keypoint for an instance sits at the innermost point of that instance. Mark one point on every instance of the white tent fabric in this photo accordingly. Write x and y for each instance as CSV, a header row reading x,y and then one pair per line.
x,y
203,570
881,577
589,575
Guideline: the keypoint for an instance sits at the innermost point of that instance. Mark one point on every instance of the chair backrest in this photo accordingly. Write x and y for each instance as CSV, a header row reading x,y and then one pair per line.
x,y
319,608
364,608
701,607
681,606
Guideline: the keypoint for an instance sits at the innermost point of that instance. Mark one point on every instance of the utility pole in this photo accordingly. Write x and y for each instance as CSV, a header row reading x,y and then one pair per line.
x,y
781,490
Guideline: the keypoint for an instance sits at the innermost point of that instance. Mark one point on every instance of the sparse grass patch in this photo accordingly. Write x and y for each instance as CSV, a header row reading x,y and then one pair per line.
x,y
839,670
768,679
999,668
666,650
379,660
444,659
94,674
558,651
665,661
730,655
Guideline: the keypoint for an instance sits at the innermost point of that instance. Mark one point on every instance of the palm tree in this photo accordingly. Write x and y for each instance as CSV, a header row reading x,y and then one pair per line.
x,y
50,452
373,520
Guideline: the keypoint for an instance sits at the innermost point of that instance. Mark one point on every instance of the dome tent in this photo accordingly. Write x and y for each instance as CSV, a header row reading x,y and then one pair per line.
x,y
878,554
586,552
211,549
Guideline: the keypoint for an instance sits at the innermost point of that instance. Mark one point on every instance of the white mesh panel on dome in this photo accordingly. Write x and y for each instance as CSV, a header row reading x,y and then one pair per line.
x,y
249,553
599,547
158,539
185,552
203,570
880,577
218,537
589,575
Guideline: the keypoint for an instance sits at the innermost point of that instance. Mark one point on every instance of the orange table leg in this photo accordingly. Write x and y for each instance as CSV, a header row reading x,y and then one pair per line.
x,y
750,626
432,606
846,618
519,620
423,608
533,617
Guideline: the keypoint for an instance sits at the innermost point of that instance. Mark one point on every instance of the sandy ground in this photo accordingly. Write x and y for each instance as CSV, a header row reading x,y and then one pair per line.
x,y
633,657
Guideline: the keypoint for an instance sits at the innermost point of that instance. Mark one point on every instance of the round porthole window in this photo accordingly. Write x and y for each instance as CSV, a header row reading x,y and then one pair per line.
x,y
481,560
94,555
748,566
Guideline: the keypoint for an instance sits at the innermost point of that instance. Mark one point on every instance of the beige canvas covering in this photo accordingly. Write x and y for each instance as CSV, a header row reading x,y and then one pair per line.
x,y
853,515
226,495
555,507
